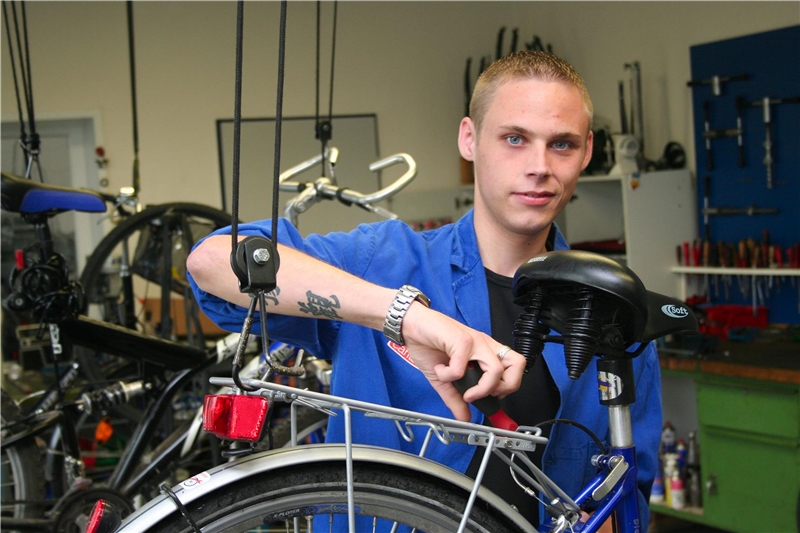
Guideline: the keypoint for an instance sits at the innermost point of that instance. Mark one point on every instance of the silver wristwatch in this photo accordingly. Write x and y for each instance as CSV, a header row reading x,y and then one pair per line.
x,y
394,316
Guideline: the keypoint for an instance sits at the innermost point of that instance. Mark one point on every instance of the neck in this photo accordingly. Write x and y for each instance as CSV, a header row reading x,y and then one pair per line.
x,y
503,252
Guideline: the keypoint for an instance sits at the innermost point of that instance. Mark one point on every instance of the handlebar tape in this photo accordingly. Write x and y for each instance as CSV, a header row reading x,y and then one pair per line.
x,y
488,405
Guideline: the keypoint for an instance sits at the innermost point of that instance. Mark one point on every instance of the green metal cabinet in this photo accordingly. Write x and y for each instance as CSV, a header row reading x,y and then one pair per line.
x,y
750,459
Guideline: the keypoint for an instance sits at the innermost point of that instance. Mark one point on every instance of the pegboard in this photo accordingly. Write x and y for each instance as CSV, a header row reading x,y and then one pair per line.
x,y
749,69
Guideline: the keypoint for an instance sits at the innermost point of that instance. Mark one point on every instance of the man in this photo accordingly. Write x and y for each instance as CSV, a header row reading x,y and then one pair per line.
x,y
529,136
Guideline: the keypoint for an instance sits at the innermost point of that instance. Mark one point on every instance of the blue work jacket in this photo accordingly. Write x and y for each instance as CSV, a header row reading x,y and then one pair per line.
x,y
446,265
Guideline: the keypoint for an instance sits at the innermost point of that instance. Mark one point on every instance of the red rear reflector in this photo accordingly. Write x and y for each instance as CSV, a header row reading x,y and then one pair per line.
x,y
234,416
104,518
19,258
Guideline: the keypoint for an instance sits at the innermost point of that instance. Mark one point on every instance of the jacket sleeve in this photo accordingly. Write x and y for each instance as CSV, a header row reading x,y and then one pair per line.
x,y
351,252
646,420
310,334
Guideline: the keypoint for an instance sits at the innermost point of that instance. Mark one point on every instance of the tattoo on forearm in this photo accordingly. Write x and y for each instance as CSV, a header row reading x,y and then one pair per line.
x,y
320,306
273,295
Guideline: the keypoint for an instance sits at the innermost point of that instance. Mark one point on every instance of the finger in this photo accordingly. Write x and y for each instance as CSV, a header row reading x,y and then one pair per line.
x,y
453,400
511,379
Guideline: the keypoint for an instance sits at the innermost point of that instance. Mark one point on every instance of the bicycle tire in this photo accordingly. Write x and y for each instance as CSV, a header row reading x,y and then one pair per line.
x,y
92,277
22,472
413,499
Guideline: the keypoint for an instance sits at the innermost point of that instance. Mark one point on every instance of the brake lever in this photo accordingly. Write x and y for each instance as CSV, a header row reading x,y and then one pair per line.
x,y
385,213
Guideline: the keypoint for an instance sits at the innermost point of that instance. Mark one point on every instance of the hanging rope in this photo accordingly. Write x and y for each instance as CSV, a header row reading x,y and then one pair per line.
x,y
23,134
28,141
258,297
132,61
324,129
237,125
278,123
333,58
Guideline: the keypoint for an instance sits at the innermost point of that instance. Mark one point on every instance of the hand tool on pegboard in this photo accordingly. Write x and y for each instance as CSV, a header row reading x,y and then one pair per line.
x,y
743,261
764,260
723,133
766,104
723,262
716,82
706,135
793,261
750,211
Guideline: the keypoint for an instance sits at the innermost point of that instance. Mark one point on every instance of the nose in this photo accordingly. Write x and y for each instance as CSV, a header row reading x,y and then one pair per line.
x,y
537,162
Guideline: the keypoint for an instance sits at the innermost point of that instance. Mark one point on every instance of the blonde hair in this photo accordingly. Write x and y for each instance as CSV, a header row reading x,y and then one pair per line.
x,y
524,64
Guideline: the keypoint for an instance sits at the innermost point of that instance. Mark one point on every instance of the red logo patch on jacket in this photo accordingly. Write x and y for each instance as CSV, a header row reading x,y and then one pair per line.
x,y
402,351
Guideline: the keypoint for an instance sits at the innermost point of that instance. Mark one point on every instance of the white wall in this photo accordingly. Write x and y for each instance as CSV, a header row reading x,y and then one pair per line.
x,y
402,60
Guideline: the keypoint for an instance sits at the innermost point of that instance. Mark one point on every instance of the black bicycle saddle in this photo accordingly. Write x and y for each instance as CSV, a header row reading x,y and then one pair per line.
x,y
20,195
598,306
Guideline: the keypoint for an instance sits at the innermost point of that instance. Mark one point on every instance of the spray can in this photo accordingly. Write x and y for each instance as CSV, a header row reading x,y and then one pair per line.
x,y
668,442
680,449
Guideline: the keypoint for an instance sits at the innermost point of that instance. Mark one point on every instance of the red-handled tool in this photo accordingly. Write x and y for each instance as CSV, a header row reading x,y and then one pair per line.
x,y
489,405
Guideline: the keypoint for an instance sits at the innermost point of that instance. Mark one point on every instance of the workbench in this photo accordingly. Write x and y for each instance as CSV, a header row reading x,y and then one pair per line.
x,y
748,416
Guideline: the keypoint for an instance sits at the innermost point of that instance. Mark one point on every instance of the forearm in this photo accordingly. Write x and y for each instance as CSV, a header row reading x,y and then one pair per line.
x,y
440,346
306,286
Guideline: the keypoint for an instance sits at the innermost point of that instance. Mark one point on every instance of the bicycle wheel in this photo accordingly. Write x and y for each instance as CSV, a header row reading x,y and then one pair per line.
x,y
21,470
317,496
136,277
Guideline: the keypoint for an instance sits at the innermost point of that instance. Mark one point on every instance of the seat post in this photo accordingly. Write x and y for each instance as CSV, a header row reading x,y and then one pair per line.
x,y
616,387
44,239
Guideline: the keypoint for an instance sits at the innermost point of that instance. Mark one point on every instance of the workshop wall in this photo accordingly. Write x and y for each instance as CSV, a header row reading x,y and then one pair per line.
x,y
403,61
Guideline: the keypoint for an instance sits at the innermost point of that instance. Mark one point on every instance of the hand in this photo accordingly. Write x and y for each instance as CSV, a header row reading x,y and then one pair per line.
x,y
441,348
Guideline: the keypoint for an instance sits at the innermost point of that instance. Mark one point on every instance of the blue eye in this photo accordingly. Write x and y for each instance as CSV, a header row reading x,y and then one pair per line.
x,y
561,145
514,140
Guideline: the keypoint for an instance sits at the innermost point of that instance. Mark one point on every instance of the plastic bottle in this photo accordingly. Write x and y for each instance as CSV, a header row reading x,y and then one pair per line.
x,y
670,469
668,442
657,493
680,449
677,491
694,487
693,451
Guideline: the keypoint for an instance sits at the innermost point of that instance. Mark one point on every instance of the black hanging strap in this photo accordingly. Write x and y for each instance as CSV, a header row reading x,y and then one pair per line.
x,y
132,61
324,128
237,126
23,134
278,122
29,142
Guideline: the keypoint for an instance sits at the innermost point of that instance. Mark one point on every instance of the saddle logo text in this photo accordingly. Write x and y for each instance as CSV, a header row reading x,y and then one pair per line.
x,y
674,311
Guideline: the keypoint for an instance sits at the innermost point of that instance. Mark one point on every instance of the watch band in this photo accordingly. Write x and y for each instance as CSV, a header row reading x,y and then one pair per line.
x,y
397,310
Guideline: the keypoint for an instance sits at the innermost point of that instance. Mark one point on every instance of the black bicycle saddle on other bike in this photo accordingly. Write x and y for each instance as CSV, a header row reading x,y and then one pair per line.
x,y
596,305
20,195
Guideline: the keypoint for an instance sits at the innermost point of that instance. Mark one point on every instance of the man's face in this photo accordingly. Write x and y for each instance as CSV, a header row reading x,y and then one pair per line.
x,y
532,146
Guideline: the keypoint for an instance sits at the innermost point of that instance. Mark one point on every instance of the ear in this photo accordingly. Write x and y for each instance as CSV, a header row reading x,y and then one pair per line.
x,y
589,147
467,138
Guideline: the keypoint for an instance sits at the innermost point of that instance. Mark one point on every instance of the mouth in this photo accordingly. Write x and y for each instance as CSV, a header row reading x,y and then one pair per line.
x,y
535,198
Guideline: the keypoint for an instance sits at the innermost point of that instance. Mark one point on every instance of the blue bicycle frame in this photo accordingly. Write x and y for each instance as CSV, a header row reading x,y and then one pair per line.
x,y
614,487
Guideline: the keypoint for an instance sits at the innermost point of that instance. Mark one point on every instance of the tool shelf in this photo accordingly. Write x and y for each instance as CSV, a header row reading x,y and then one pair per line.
x,y
753,273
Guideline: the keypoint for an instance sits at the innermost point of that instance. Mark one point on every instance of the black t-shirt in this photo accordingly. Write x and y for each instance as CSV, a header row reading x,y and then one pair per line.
x,y
536,400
